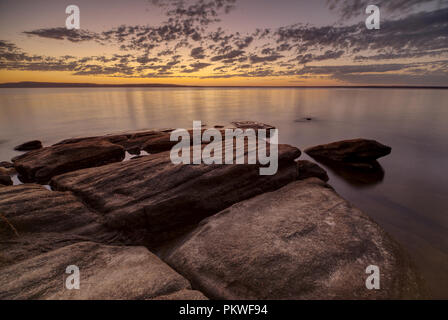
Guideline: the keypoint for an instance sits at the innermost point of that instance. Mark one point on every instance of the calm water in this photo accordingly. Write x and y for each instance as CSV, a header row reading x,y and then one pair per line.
x,y
410,201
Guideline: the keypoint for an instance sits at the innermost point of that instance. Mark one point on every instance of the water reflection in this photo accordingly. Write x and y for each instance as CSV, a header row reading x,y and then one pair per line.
x,y
361,175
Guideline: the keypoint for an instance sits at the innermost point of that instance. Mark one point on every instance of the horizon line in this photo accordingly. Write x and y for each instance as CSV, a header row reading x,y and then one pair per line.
x,y
37,84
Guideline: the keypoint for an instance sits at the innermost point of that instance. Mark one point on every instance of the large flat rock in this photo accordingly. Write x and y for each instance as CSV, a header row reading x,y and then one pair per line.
x,y
35,220
106,272
153,194
302,241
41,165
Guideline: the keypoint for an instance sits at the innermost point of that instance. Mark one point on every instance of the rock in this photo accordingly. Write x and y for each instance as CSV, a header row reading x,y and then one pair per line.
x,y
162,143
5,179
308,169
134,151
40,165
157,197
183,295
30,145
350,151
305,119
302,241
131,141
159,144
6,165
252,125
36,220
106,272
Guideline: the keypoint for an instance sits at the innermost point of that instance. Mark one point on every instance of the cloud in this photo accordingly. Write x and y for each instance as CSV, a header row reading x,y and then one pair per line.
x,y
350,8
197,53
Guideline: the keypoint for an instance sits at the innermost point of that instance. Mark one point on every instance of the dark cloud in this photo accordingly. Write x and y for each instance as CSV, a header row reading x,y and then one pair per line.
x,y
65,34
231,55
258,59
351,8
197,53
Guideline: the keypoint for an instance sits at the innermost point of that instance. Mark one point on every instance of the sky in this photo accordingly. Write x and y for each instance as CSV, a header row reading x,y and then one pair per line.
x,y
226,42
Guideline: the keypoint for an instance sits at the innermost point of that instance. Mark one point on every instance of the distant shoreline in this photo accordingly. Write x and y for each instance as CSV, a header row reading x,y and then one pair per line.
x,y
28,84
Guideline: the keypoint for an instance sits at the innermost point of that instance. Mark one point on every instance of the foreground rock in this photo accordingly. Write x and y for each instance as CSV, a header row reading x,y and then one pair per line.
x,y
308,169
302,241
106,272
40,165
35,220
155,196
350,151
30,145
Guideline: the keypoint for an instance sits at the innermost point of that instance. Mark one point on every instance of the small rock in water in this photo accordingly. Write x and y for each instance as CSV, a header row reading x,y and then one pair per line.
x,y
350,151
30,145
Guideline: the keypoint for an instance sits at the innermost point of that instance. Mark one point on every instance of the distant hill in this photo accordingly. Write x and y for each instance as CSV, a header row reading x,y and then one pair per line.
x,y
30,84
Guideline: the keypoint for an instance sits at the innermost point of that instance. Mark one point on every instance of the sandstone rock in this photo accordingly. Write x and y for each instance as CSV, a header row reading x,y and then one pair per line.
x,y
41,165
36,220
302,241
6,165
5,179
350,151
158,197
158,144
30,145
130,141
252,125
308,169
106,272
183,295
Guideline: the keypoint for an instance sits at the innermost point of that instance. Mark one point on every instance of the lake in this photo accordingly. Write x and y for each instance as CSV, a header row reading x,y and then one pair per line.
x,y
410,201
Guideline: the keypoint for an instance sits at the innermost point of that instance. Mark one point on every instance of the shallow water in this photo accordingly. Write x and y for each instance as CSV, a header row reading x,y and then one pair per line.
x,y
410,201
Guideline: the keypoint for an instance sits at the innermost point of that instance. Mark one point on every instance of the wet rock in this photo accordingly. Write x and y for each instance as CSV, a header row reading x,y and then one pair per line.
x,y
302,241
6,165
36,220
308,169
30,145
40,165
350,151
252,125
159,144
106,272
134,151
158,197
5,179
305,119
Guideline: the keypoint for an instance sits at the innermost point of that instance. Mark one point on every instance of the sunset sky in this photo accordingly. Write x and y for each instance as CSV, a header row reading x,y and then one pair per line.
x,y
226,42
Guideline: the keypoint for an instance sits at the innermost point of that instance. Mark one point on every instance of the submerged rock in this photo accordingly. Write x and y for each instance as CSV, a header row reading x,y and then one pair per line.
x,y
155,196
40,165
308,169
350,151
302,241
30,145
106,272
